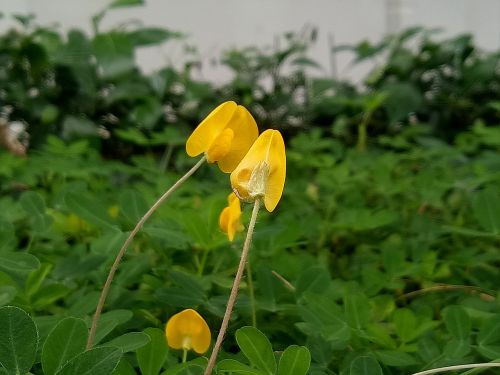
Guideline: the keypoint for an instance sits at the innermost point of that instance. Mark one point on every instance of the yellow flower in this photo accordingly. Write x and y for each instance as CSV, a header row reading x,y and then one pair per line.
x,y
188,330
261,173
229,219
225,136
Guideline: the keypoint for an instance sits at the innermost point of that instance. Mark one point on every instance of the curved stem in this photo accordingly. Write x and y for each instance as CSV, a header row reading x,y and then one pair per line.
x,y
234,290
251,292
121,253
457,367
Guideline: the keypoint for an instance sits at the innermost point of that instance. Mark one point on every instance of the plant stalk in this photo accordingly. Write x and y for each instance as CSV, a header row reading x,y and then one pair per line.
x,y
234,290
457,367
128,241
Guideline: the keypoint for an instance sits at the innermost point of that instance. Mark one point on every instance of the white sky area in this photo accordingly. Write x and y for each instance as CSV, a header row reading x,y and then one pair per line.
x,y
213,26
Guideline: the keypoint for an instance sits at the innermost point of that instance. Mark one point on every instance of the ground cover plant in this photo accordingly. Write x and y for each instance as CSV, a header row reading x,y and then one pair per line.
x,y
381,257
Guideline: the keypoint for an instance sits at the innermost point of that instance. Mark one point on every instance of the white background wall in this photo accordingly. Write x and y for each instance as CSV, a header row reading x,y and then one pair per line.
x,y
215,25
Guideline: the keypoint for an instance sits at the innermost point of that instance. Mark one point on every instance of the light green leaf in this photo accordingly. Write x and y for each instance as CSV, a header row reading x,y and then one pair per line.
x,y
405,323
66,340
257,348
152,355
295,360
18,340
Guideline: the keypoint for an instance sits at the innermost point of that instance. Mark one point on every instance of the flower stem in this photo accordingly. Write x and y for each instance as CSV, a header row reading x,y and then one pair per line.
x,y
457,367
234,290
201,266
251,292
184,355
128,241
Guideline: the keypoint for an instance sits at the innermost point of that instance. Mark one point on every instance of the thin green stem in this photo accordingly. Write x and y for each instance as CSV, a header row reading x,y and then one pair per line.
x,y
201,266
457,367
184,355
251,292
234,290
128,241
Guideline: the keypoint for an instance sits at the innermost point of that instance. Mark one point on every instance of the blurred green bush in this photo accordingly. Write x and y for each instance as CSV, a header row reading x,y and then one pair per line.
x,y
76,86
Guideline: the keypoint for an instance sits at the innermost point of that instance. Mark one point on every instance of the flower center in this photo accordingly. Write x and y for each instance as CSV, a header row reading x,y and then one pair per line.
x,y
186,343
252,184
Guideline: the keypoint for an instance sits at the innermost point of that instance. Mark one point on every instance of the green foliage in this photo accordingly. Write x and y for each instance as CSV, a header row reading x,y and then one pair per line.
x,y
381,258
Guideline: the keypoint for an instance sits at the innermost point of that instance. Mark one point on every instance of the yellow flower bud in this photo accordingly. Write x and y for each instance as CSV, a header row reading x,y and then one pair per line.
x,y
261,173
230,217
225,135
187,330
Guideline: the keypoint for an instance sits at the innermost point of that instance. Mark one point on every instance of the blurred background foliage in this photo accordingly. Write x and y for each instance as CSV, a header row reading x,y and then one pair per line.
x,y
383,254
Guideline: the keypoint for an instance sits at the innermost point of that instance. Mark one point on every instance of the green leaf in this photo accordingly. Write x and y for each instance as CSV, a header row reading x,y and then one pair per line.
x,y
78,127
130,341
457,322
395,358
234,367
34,204
89,209
356,309
295,360
66,340
109,321
18,340
152,355
48,295
132,205
7,294
36,278
365,366
124,368
114,53
489,332
148,36
193,367
97,361
18,262
125,3
257,348
405,323
486,207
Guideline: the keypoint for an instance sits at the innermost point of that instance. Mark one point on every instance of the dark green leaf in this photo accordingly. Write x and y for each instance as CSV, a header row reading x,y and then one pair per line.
x,y
97,361
18,340
65,341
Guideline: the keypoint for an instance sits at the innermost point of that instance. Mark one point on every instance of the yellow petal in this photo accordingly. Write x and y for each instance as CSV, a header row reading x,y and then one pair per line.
x,y
221,146
277,173
246,132
230,217
262,171
205,133
224,219
188,327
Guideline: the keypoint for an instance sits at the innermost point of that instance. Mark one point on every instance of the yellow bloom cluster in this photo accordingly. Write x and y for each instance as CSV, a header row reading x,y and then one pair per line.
x,y
229,137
